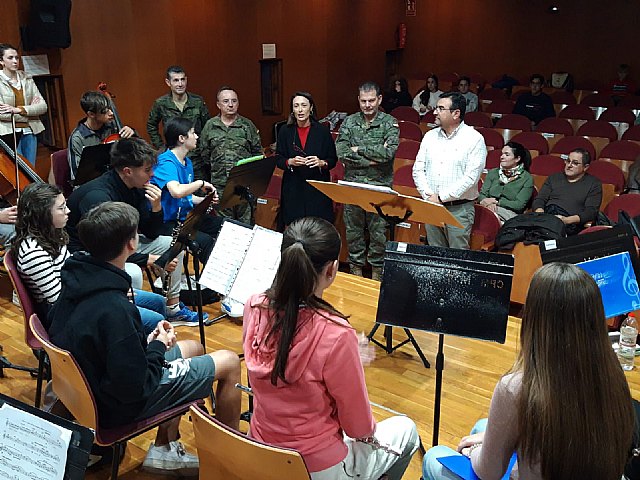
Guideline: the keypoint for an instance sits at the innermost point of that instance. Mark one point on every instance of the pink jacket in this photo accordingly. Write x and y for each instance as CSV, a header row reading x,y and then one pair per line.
x,y
325,396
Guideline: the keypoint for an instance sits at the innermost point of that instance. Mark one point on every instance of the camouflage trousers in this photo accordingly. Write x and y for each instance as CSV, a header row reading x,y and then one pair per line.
x,y
240,212
355,221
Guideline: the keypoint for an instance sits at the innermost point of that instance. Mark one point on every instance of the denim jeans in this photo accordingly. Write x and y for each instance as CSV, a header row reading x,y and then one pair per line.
x,y
152,308
28,147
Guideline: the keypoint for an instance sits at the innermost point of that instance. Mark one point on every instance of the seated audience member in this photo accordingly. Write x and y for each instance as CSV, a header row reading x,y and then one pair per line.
x,y
427,98
472,99
573,196
305,151
622,86
133,375
633,179
507,189
397,95
94,128
537,105
40,250
173,175
306,372
132,161
8,216
554,397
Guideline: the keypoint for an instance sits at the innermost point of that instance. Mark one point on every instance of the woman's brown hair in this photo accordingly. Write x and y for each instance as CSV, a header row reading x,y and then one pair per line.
x,y
575,412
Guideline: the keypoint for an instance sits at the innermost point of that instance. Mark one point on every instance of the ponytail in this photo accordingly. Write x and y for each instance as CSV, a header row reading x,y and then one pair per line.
x,y
308,245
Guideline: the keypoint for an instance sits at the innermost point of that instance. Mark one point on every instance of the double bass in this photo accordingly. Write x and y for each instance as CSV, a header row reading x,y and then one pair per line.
x,y
15,174
102,87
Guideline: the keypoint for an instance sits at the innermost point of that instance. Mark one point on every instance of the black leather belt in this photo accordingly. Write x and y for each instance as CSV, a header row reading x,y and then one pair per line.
x,y
453,203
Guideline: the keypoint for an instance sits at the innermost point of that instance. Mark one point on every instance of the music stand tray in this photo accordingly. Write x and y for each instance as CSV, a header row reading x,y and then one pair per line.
x,y
247,182
94,161
445,291
81,438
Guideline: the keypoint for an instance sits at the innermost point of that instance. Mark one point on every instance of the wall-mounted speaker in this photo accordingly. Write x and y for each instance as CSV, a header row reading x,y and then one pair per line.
x,y
48,25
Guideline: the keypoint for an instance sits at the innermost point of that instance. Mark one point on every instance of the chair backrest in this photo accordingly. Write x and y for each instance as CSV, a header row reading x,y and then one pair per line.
x,y
597,100
567,144
492,139
598,128
61,171
555,125
627,202
337,172
478,119
501,106
608,172
26,300
533,141
404,176
410,131
579,111
621,150
485,227
545,165
632,134
618,114
630,101
492,94
69,383
226,453
514,121
493,159
562,96
407,114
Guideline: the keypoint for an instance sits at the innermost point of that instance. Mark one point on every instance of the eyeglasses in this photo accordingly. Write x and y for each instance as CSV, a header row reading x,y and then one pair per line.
x,y
440,108
573,163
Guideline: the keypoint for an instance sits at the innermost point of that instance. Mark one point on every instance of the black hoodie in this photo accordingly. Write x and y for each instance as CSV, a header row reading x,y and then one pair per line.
x,y
95,321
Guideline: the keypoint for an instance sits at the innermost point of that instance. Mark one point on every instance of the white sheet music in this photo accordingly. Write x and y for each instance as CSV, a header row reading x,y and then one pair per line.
x,y
31,448
227,256
260,265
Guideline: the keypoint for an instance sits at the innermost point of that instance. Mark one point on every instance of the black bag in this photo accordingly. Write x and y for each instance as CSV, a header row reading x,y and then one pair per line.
x,y
529,228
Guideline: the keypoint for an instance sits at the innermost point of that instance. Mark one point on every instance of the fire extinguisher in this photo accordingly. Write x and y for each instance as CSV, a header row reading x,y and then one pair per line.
x,y
401,35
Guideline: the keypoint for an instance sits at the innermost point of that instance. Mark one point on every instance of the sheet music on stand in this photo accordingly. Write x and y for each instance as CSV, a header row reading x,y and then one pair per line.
x,y
243,262
31,448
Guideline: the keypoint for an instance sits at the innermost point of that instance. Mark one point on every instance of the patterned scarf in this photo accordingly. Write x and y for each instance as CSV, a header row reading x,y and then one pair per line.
x,y
511,174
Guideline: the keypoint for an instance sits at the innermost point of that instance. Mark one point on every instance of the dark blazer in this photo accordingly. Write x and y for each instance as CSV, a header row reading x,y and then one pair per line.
x,y
299,199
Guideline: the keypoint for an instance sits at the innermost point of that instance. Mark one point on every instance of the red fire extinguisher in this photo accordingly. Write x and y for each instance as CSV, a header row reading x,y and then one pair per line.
x,y
401,35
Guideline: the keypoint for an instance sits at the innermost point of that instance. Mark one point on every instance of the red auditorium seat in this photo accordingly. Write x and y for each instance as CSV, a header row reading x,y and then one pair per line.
x,y
493,159
618,114
598,128
408,114
608,172
597,100
485,228
566,144
500,106
627,202
492,139
621,150
545,165
406,154
632,134
478,119
563,97
630,101
579,112
514,121
533,141
410,131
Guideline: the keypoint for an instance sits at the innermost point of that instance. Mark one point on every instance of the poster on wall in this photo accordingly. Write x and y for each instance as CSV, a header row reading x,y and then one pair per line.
x,y
411,8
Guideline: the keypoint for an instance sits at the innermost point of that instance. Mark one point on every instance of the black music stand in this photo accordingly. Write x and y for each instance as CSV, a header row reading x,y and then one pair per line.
x,y
445,291
185,240
94,161
81,438
247,182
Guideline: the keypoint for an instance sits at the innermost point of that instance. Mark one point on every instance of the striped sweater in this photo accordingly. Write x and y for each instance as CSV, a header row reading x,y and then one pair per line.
x,y
39,271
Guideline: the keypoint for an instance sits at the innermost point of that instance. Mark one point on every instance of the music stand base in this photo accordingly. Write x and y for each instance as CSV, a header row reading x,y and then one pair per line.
x,y
388,345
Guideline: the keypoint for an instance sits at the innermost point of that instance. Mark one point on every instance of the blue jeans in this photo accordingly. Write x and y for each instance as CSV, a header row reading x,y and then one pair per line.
x,y
152,308
28,147
432,469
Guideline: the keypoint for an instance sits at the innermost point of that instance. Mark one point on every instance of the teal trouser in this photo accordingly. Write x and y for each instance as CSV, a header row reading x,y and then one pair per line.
x,y
355,221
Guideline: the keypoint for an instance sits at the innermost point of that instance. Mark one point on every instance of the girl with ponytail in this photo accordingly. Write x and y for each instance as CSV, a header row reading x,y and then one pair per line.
x,y
305,370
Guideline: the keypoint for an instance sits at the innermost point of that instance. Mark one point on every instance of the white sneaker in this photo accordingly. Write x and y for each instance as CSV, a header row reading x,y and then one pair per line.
x,y
231,307
171,459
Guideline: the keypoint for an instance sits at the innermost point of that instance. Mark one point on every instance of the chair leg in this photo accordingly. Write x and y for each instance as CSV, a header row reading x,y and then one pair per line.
x,y
41,362
115,463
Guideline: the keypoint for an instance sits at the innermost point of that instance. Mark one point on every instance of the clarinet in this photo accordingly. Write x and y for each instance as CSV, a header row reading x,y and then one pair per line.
x,y
174,238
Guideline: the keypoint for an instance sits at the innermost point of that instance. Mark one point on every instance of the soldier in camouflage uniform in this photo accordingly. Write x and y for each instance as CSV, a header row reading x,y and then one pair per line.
x,y
367,145
178,103
225,139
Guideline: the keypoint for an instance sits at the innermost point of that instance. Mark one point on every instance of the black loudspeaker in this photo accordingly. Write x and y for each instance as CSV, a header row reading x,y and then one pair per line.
x,y
48,25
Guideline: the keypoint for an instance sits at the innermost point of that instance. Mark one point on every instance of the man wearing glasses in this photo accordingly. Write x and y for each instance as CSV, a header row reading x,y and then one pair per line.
x,y
573,196
94,128
537,105
447,169
225,139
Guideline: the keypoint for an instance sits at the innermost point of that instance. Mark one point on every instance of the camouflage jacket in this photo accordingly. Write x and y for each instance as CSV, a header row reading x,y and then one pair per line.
x,y
221,146
377,143
164,108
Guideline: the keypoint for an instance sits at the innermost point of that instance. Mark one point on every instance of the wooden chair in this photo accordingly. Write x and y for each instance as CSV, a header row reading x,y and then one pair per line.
x,y
28,309
72,387
226,453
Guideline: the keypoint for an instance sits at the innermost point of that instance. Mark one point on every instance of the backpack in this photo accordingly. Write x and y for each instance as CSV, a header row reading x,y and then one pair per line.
x,y
529,228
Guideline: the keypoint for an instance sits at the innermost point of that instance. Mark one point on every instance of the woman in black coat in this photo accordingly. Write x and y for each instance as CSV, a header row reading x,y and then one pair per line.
x,y
305,151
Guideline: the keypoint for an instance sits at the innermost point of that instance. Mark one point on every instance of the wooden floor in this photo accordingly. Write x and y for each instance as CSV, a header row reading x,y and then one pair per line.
x,y
398,381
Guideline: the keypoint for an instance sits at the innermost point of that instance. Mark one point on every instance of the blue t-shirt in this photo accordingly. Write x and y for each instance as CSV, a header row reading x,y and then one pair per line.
x,y
170,169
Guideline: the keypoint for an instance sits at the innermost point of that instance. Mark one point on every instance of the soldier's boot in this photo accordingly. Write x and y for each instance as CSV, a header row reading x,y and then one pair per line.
x,y
355,270
376,273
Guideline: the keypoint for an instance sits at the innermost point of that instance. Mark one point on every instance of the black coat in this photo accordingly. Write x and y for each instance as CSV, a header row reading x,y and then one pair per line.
x,y
299,199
